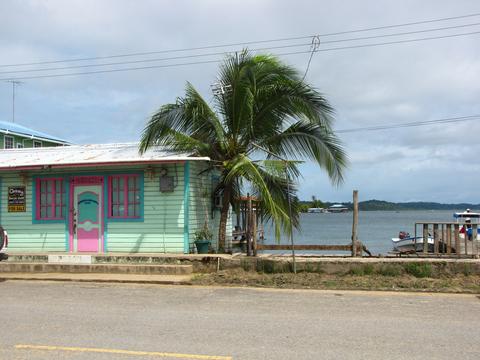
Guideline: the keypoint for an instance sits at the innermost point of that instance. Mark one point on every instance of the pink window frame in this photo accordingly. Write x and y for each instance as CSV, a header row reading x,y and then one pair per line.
x,y
38,192
137,189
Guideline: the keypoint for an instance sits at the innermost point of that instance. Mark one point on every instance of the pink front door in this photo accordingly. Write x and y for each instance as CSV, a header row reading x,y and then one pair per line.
x,y
87,214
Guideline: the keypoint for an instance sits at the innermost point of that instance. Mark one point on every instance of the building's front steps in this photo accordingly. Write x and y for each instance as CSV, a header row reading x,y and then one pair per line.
x,y
100,278
138,269
109,264
117,258
96,268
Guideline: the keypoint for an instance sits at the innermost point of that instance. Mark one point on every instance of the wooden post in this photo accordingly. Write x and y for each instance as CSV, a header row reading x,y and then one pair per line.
x,y
415,238
355,224
254,228
474,239
238,212
435,239
249,226
456,235
466,238
425,238
244,217
449,239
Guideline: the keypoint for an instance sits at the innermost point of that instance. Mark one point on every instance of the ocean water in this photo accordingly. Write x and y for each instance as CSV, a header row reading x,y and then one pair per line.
x,y
375,228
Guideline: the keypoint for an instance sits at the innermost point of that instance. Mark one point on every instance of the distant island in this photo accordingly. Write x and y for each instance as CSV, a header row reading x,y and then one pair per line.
x,y
378,205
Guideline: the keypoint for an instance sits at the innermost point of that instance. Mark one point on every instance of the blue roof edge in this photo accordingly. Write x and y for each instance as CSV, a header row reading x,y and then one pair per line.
x,y
16,129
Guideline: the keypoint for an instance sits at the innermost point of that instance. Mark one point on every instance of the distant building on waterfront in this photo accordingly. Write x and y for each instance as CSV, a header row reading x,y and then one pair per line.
x,y
14,136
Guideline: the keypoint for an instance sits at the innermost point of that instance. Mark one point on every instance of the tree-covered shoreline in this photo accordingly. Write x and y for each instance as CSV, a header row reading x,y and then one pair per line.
x,y
381,205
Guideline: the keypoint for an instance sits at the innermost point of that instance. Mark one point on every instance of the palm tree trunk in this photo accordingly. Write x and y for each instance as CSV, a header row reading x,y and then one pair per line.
x,y
222,230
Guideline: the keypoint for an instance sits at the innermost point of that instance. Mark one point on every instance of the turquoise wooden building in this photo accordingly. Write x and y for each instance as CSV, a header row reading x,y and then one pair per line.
x,y
15,136
105,198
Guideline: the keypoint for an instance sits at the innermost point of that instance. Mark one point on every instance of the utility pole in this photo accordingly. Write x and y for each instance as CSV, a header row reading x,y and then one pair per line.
x,y
14,83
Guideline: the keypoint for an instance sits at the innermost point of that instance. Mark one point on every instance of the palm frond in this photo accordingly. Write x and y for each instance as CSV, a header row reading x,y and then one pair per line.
x,y
189,124
304,140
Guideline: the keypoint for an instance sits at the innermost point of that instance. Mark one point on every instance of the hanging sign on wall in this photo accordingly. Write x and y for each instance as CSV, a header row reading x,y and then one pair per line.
x,y
16,199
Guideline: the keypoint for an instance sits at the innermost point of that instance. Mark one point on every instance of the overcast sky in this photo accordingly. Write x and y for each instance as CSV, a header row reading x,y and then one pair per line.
x,y
368,86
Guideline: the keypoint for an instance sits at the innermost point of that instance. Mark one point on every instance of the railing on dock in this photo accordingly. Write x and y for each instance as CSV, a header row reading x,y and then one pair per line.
x,y
249,224
448,238
249,229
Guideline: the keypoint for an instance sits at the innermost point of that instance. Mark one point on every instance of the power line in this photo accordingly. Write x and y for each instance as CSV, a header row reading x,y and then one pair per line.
x,y
315,43
399,41
242,43
399,34
316,39
412,124
401,25
216,61
114,70
150,60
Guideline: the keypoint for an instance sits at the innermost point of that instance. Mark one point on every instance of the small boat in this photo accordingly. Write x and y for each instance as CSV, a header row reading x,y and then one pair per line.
x,y
466,219
406,243
337,208
467,215
316,210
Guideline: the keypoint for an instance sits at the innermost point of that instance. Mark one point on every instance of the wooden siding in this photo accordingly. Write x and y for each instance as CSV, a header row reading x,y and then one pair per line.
x,y
22,234
162,228
201,201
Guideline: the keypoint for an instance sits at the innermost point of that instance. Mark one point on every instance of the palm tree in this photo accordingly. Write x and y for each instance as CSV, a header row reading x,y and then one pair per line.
x,y
263,114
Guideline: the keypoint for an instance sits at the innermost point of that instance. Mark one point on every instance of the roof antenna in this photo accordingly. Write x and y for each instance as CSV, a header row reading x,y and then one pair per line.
x,y
14,83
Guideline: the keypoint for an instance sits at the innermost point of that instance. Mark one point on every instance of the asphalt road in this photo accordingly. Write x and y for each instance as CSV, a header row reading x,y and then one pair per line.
x,y
101,321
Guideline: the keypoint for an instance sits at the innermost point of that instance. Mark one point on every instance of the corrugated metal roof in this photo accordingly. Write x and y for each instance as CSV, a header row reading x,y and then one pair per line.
x,y
16,129
84,155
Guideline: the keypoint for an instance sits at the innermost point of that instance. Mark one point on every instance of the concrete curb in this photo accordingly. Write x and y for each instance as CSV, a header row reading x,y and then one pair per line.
x,y
139,269
100,278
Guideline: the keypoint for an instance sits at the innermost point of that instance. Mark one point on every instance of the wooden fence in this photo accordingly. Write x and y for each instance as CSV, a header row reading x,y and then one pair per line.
x,y
250,229
448,239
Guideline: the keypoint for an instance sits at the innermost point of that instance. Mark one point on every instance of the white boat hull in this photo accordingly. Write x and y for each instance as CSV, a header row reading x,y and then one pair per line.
x,y
410,244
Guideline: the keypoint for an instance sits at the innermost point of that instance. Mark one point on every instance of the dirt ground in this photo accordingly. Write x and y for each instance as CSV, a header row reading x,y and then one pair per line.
x,y
458,283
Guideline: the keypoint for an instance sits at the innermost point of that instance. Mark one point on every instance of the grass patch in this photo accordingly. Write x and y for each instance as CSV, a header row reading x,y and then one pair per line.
x,y
418,270
467,269
361,270
381,281
390,270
